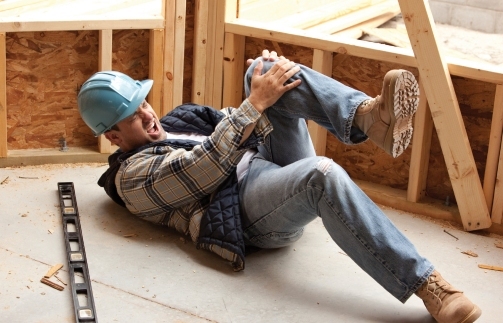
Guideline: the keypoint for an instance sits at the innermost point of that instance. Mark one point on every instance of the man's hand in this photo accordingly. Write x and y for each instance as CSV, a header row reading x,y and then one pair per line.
x,y
266,56
266,89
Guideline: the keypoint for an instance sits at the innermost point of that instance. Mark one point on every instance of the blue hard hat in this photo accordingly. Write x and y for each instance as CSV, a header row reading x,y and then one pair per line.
x,y
109,97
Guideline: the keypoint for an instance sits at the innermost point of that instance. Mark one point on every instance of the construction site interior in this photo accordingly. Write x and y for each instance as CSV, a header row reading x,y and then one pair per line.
x,y
445,192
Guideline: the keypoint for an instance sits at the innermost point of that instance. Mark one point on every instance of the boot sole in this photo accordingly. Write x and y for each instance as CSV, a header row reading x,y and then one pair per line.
x,y
473,316
401,97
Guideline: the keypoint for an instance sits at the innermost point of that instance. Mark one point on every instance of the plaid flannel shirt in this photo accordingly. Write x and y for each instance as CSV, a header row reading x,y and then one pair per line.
x,y
173,186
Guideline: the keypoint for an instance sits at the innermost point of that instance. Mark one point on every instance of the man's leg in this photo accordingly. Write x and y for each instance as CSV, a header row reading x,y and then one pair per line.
x,y
350,115
277,202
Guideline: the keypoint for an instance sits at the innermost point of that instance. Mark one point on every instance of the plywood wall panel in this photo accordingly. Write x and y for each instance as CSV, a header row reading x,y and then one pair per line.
x,y
44,71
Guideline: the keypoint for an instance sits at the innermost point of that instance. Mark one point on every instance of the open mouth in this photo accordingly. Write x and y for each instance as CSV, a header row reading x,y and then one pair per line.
x,y
152,128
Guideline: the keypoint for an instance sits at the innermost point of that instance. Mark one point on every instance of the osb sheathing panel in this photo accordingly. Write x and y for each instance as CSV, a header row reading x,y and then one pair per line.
x,y
44,73
368,162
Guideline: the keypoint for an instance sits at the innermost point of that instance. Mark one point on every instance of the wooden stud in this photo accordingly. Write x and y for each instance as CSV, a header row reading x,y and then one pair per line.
x,y
320,14
356,31
174,49
234,52
3,96
322,62
493,153
388,8
421,143
218,55
155,68
201,20
444,107
105,64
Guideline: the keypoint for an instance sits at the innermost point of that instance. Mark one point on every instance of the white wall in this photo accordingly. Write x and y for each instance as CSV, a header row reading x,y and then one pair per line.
x,y
481,15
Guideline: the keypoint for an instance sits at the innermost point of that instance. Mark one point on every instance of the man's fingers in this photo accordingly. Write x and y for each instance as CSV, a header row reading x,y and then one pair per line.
x,y
257,71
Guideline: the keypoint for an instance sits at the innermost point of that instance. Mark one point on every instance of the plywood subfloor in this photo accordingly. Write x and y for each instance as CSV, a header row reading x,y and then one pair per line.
x,y
156,275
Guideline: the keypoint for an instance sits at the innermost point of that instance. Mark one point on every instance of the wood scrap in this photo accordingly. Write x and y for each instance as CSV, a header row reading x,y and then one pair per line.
x,y
4,181
498,244
62,282
470,253
51,284
490,267
53,270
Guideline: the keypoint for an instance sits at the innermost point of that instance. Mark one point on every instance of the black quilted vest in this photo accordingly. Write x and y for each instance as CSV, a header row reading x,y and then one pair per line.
x,y
221,223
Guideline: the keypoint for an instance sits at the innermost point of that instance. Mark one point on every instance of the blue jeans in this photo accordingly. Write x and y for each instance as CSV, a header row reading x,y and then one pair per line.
x,y
287,187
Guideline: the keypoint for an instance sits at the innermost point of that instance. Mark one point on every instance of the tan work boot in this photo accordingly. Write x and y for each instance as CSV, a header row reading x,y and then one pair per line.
x,y
387,119
445,303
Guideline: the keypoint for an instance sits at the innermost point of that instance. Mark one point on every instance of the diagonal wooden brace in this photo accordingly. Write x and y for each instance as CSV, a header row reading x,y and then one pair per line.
x,y
446,115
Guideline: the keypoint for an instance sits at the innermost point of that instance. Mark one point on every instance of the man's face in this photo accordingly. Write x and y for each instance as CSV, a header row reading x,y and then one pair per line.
x,y
139,129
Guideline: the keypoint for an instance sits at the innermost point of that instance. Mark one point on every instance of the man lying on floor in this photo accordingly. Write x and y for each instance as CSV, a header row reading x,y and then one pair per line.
x,y
248,177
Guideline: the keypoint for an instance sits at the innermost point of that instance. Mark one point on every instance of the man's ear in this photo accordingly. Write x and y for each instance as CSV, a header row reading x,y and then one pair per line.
x,y
113,137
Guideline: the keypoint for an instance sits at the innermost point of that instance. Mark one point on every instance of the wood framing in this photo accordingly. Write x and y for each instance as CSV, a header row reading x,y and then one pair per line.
x,y
444,107
435,75
105,64
421,143
322,62
3,97
174,49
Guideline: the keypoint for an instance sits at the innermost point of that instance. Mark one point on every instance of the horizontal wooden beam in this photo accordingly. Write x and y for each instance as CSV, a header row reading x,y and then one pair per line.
x,y
432,208
86,24
25,157
359,48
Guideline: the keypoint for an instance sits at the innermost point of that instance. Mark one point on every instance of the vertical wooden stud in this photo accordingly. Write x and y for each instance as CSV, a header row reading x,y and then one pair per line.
x,y
421,144
234,52
217,62
497,202
322,62
449,123
201,52
105,64
3,96
179,51
493,153
174,51
156,60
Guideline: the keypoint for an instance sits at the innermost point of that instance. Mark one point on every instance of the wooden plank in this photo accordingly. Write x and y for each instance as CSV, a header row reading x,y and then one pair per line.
x,y
169,58
8,5
179,52
356,31
105,64
359,48
156,59
209,69
232,8
3,97
322,62
200,51
421,143
218,55
174,49
53,270
493,153
234,52
266,11
52,156
389,8
448,121
320,14
87,23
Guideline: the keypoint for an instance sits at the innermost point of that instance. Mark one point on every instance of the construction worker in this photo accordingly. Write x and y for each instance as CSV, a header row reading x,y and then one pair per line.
x,y
248,177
